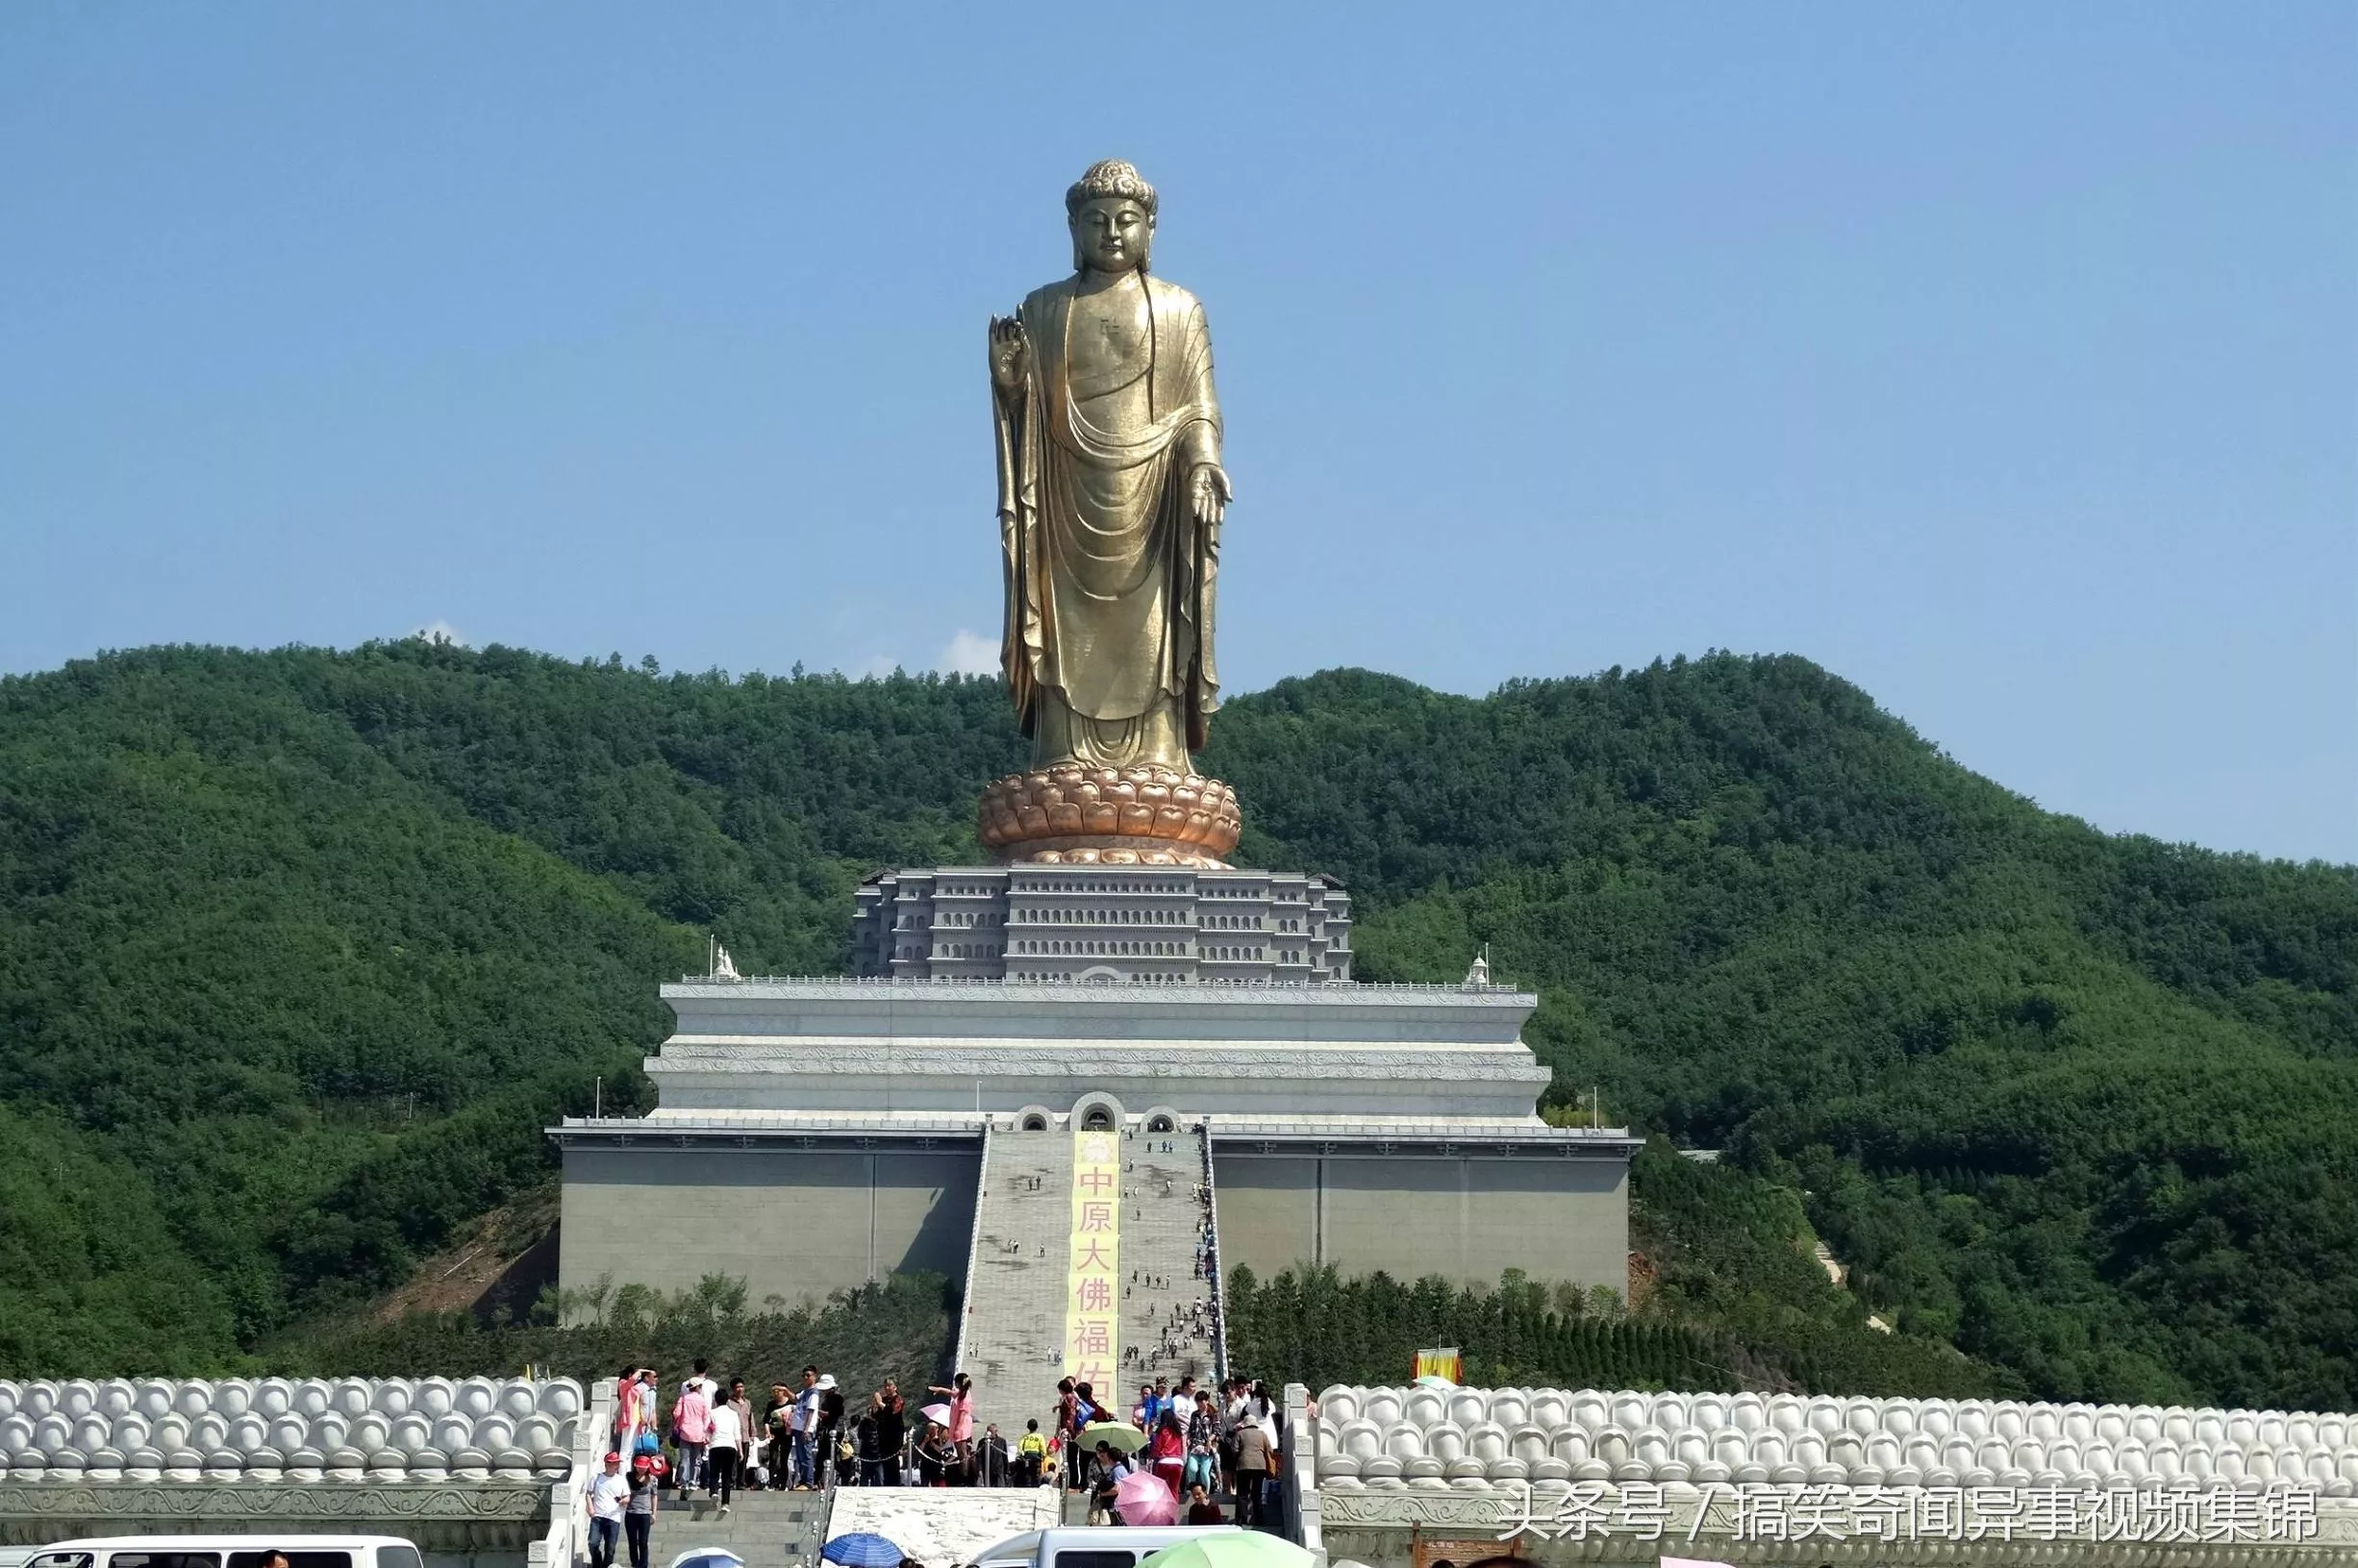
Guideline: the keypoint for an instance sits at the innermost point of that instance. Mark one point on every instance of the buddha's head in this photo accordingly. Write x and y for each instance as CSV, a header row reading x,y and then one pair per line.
x,y
1110,213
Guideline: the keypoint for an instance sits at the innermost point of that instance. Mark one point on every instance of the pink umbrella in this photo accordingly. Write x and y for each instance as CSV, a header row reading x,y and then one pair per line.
x,y
1144,1498
938,1414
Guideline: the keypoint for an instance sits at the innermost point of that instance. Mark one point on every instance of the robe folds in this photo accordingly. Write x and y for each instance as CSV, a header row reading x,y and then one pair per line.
x,y
1111,579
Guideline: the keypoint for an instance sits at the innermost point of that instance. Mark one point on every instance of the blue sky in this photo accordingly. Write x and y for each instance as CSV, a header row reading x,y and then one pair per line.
x,y
2004,360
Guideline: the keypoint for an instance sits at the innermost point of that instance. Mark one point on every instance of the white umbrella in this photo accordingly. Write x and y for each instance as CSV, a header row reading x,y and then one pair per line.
x,y
708,1557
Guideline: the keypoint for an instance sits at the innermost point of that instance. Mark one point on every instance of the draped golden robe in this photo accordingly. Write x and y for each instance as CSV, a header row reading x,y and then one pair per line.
x,y
1110,577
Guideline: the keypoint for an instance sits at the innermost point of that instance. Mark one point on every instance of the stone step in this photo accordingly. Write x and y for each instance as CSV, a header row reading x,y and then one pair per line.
x,y
1168,1325
767,1530
1013,1341
1015,1326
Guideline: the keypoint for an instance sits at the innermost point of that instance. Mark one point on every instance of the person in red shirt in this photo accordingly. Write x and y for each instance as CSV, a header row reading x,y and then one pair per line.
x,y
1168,1453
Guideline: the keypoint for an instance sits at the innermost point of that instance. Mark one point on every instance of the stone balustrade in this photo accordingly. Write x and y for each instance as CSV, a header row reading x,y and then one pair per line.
x,y
423,1430
1474,1439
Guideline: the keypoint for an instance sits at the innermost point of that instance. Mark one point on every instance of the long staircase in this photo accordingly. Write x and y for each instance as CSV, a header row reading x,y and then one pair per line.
x,y
1010,1341
1012,1333
767,1530
1010,1338
1168,1325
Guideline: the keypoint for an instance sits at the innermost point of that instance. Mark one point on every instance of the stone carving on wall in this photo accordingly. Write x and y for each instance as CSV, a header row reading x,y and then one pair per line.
x,y
1508,1063
1031,993
252,1500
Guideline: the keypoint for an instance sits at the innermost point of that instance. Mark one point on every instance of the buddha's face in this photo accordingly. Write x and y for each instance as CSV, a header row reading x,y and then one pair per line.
x,y
1112,234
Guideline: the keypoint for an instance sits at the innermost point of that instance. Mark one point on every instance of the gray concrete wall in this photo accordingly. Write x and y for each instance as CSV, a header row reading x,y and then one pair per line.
x,y
1467,1217
1268,1210
794,1223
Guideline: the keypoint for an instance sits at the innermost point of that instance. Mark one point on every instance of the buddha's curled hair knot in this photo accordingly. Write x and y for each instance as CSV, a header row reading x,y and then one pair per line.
x,y
1110,177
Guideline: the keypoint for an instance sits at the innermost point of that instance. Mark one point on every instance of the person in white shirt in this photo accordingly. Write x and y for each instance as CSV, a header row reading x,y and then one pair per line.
x,y
728,1444
802,1465
607,1494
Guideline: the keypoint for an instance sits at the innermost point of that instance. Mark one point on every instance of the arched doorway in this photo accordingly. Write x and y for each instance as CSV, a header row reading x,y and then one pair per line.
x,y
1098,1112
1034,1123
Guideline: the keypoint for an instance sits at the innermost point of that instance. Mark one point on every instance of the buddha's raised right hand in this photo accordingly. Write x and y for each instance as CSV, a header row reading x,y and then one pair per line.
x,y
1008,348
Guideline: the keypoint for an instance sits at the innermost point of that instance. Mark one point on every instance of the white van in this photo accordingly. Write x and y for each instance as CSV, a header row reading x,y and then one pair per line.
x,y
1084,1546
228,1552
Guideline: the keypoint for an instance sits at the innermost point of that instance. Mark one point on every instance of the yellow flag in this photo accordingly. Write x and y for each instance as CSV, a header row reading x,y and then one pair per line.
x,y
1440,1364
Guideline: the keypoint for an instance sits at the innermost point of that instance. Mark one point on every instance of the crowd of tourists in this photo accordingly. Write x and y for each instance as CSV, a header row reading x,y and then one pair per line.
x,y
1204,1443
706,1437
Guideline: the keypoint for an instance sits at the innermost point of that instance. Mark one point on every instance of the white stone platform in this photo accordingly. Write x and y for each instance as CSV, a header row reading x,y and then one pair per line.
x,y
817,1134
895,1048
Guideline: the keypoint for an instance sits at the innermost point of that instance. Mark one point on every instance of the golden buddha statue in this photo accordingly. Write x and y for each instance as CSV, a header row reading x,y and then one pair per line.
x,y
1111,498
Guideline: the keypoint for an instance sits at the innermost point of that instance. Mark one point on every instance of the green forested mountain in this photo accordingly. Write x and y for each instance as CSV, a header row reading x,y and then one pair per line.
x,y
298,950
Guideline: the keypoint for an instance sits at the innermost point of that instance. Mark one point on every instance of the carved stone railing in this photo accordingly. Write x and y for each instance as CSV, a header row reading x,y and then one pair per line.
x,y
1219,1287
974,1253
1061,983
1299,1505
567,1541
465,1430
556,1548
1615,1475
